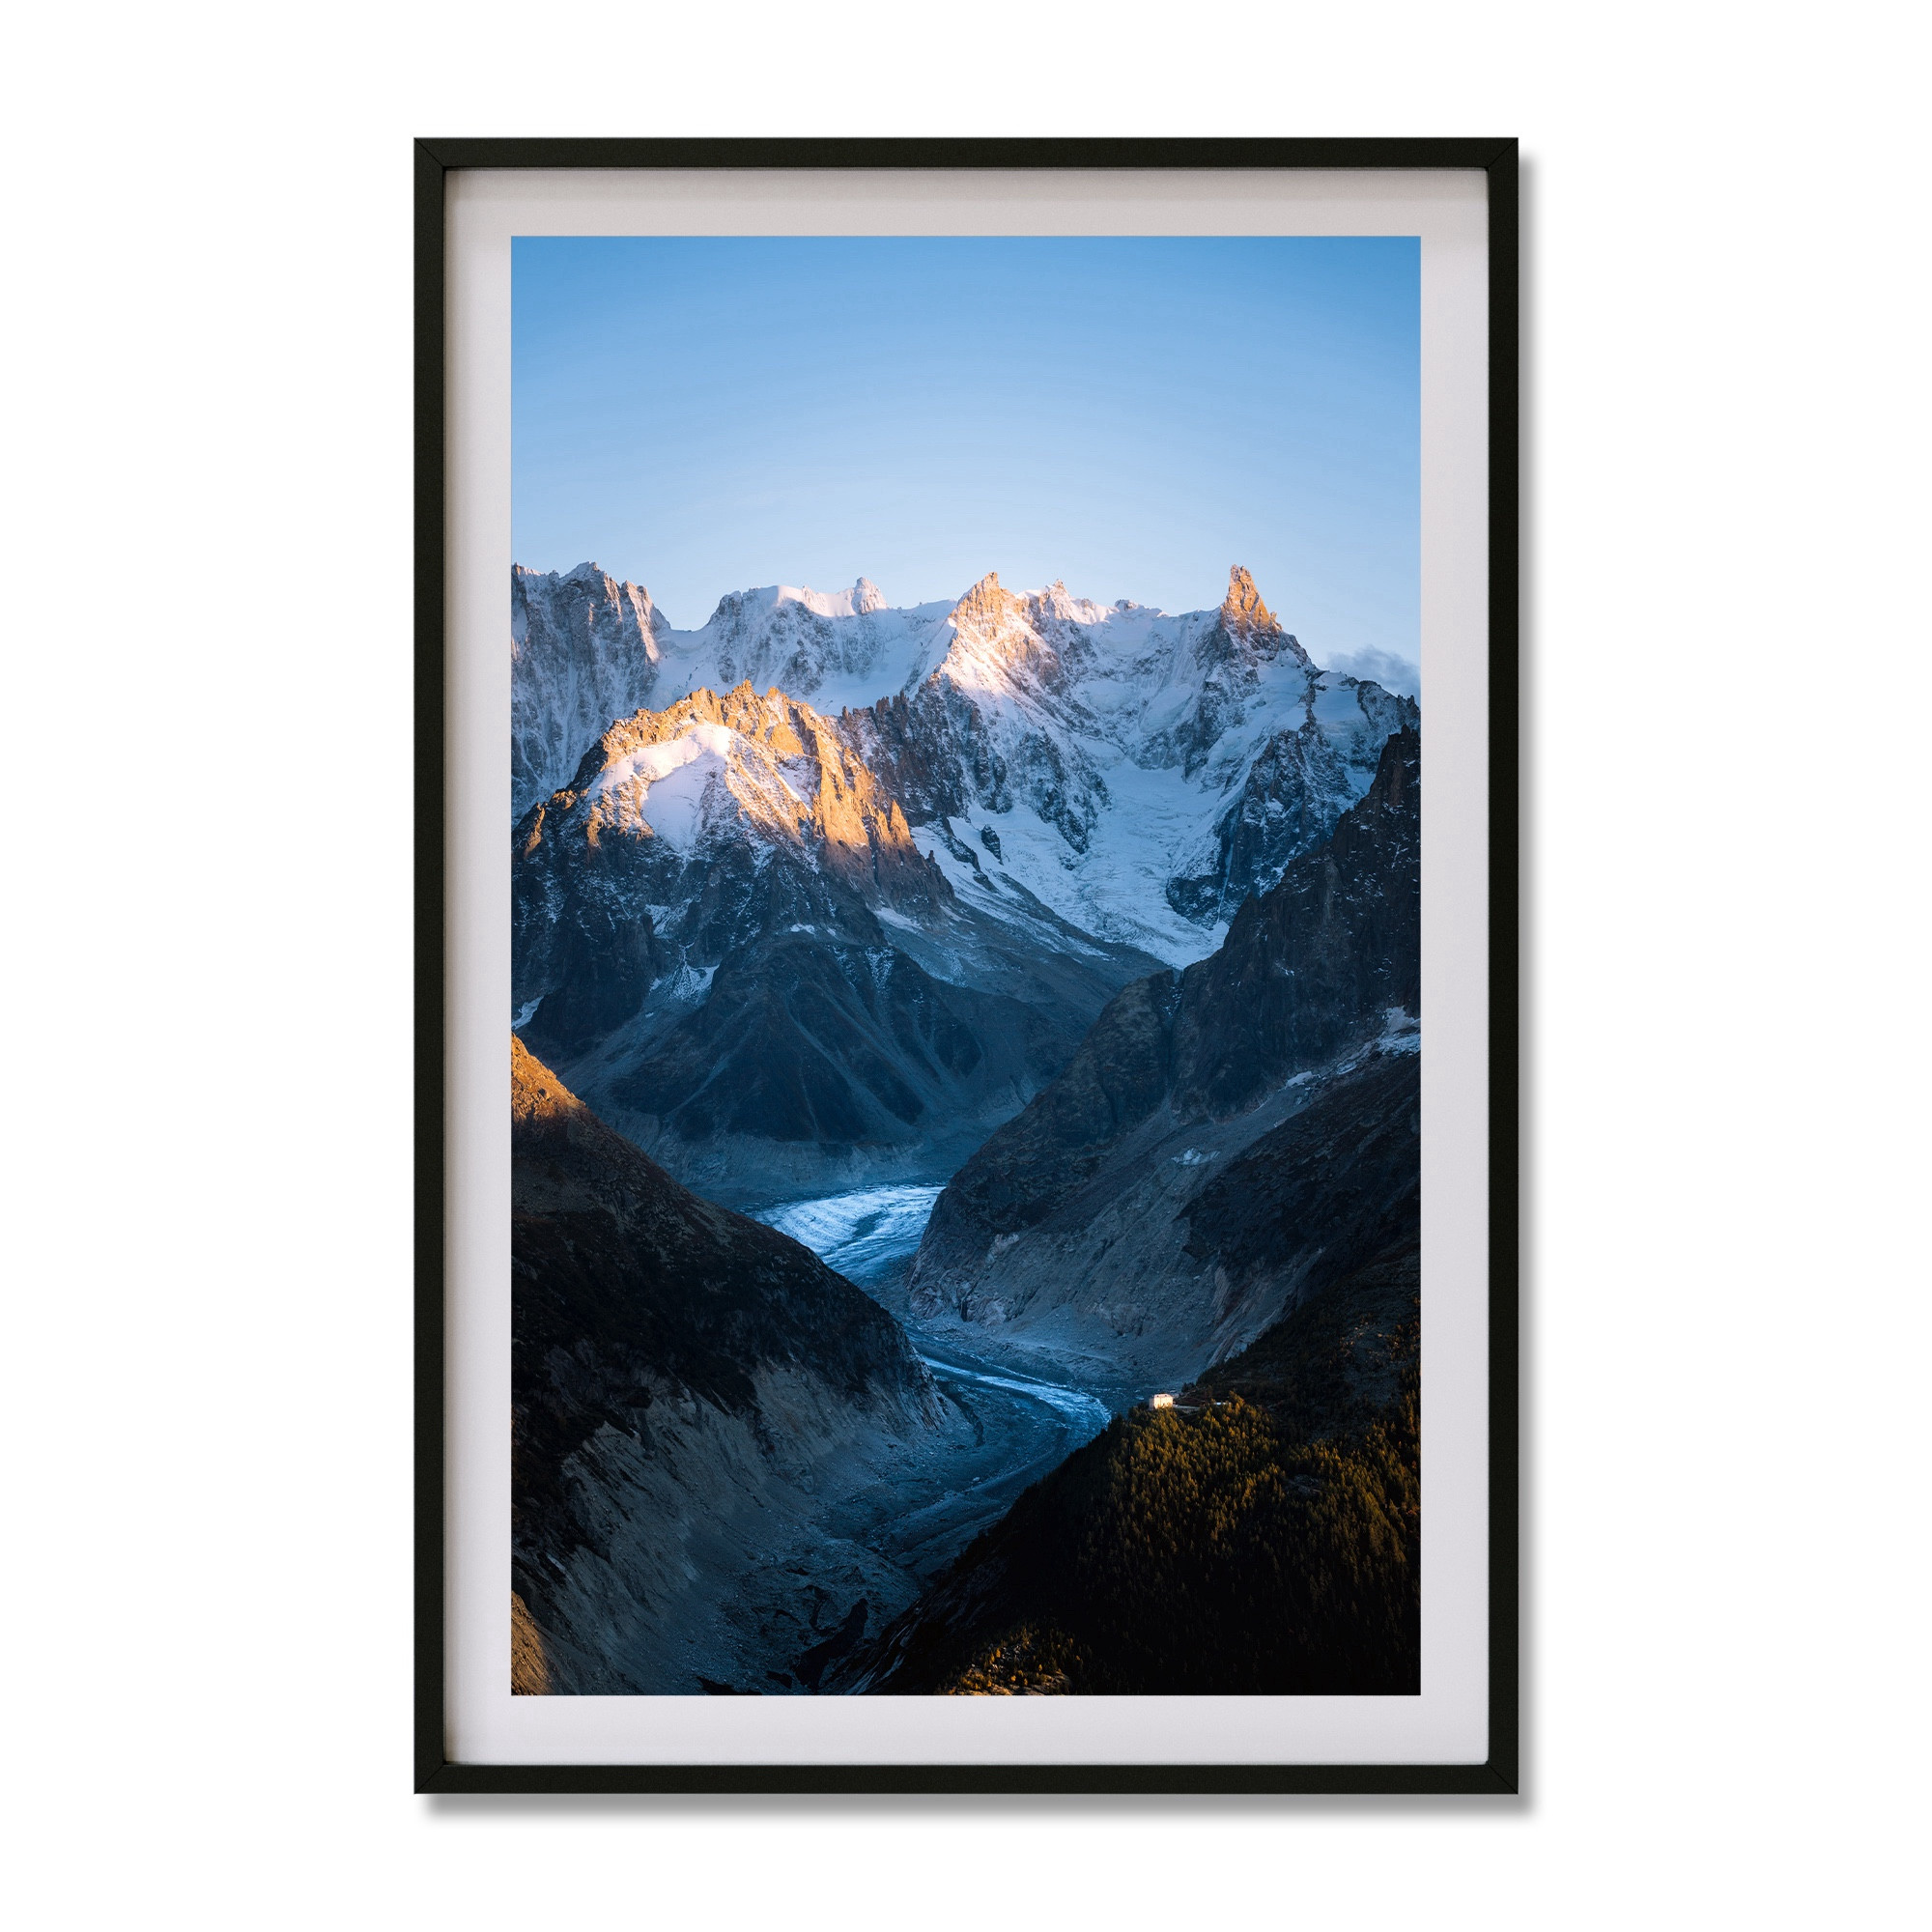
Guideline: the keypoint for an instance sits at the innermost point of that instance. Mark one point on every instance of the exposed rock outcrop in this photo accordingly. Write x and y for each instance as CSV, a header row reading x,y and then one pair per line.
x,y
1243,615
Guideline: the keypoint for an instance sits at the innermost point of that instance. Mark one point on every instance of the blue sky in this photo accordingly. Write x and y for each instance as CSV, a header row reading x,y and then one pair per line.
x,y
1132,415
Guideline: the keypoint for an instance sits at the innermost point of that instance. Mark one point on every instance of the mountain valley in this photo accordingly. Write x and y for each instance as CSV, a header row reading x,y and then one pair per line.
x,y
726,1460
1009,1010
1131,1208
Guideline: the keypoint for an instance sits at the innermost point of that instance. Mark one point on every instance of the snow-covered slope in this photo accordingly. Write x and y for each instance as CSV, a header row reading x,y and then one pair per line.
x,y
1139,773
1135,773
1135,1209
725,929
586,649
834,649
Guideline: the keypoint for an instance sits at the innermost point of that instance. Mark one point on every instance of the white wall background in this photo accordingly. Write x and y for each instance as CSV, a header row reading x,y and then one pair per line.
x,y
207,635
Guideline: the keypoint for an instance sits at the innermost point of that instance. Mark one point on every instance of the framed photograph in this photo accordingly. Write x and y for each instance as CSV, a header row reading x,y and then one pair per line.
x,y
925,651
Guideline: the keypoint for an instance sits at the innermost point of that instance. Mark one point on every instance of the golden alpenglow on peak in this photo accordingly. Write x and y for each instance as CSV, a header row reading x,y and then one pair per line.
x,y
987,604
1242,609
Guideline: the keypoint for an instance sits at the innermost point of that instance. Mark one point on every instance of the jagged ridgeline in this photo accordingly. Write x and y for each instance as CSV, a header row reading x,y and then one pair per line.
x,y
1226,1138
824,892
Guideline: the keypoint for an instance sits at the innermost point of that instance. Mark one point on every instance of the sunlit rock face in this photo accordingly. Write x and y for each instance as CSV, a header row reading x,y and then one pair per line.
x,y
1243,615
586,649
791,944
726,933
1141,773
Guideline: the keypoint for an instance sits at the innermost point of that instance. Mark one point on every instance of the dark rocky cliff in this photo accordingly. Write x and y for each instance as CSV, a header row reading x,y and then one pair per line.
x,y
789,999
1137,1203
680,1375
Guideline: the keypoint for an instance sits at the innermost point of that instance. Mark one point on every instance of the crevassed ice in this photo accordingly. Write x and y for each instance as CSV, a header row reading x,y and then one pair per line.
x,y
859,1233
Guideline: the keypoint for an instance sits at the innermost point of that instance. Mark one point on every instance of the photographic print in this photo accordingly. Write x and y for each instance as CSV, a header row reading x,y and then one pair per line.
x,y
965,860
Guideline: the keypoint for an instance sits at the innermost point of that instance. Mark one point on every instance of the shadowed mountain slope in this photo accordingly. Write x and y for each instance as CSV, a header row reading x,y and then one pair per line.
x,y
1132,1207
726,934
790,949
1260,1538
681,1378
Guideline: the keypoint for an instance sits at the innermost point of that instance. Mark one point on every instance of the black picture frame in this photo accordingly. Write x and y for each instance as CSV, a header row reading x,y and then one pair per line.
x,y
434,160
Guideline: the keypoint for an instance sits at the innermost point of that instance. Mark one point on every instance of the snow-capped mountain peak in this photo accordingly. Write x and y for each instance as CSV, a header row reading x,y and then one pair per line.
x,y
738,608
1136,772
998,648
988,606
586,649
763,770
